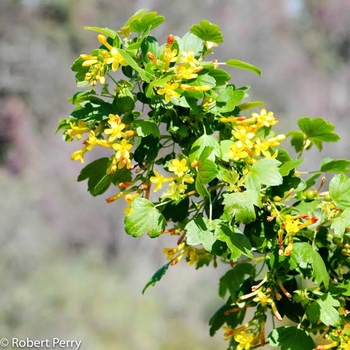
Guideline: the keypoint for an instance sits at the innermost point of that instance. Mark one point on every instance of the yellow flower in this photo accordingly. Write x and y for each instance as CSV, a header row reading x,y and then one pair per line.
x,y
175,191
244,339
122,149
77,130
275,141
244,134
171,252
229,332
116,128
237,151
188,179
266,300
116,59
123,155
159,179
169,56
188,58
97,66
185,73
169,90
79,155
178,167
264,118
291,225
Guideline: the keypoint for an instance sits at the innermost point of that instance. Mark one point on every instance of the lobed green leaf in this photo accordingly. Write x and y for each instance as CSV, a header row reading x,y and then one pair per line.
x,y
144,218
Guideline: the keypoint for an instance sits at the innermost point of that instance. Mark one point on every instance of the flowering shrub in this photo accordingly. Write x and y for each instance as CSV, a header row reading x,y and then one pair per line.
x,y
192,162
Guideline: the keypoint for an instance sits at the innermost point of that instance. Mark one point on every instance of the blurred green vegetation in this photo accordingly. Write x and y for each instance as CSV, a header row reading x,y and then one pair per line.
x,y
67,267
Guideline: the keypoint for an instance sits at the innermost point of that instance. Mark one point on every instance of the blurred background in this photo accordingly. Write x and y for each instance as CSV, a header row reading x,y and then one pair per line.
x,y
67,267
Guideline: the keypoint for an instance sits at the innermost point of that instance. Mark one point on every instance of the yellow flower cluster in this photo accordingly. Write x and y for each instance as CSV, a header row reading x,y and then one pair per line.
x,y
116,139
101,63
178,185
246,144
191,253
243,336
187,68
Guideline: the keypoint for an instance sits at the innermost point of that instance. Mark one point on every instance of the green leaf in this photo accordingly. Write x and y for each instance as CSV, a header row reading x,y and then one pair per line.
x,y
228,176
312,180
290,165
81,71
313,311
241,205
145,217
341,223
201,144
105,31
94,109
221,76
148,149
318,130
204,79
339,190
146,76
264,172
291,338
228,99
236,241
156,277
98,180
297,140
123,104
232,280
82,96
304,254
190,42
207,31
330,165
146,127
243,65
329,315
198,233
145,21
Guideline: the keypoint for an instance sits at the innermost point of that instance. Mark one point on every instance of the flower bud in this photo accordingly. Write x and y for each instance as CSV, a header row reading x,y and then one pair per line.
x,y
170,40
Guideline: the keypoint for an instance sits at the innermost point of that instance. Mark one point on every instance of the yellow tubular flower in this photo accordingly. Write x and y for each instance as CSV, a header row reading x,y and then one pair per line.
x,y
275,141
244,134
229,332
188,58
266,300
169,90
79,155
171,252
264,118
116,59
116,128
237,151
123,155
169,56
291,225
158,180
175,191
185,73
77,130
178,167
244,339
